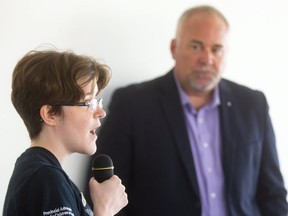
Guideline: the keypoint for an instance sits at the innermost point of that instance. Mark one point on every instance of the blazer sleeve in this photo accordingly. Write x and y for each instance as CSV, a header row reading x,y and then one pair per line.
x,y
271,194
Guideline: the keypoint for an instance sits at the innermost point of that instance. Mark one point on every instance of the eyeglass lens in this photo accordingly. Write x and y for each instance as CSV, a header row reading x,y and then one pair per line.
x,y
94,103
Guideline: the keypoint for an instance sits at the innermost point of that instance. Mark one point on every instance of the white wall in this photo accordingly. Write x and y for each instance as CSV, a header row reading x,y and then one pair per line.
x,y
132,37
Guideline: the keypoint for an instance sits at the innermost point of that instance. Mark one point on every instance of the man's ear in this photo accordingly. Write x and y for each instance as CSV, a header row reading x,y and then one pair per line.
x,y
47,116
173,47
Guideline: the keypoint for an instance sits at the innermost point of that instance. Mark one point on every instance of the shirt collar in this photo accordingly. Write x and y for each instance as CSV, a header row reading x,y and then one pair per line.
x,y
215,100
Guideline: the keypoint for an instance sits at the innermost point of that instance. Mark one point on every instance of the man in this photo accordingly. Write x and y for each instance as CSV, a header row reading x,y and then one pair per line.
x,y
190,143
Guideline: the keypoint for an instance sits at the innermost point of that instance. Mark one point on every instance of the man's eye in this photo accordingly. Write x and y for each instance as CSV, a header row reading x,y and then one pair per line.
x,y
217,50
196,47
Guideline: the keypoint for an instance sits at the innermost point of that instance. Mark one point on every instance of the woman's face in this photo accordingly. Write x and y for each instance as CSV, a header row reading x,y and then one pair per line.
x,y
77,126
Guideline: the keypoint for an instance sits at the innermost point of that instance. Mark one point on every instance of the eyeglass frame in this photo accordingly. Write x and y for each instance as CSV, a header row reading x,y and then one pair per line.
x,y
89,104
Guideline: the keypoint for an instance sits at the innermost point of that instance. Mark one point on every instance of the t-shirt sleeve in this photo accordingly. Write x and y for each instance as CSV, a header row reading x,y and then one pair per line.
x,y
51,192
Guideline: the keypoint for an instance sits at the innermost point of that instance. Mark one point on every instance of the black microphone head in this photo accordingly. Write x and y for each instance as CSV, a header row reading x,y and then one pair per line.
x,y
102,167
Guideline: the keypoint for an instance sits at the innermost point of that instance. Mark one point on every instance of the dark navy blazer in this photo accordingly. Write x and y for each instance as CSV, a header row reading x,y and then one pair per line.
x,y
146,137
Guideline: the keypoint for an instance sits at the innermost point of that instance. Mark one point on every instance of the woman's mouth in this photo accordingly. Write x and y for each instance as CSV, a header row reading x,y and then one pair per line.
x,y
93,131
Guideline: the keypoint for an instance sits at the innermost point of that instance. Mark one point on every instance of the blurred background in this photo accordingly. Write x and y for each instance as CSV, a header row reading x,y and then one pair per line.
x,y
133,38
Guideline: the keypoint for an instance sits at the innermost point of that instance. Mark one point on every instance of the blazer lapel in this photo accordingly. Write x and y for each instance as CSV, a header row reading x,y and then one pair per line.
x,y
174,114
229,137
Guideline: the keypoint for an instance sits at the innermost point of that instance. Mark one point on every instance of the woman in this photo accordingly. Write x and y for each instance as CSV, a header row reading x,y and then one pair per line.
x,y
55,95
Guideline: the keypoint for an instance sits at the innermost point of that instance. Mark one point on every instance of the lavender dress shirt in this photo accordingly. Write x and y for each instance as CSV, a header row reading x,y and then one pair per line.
x,y
203,129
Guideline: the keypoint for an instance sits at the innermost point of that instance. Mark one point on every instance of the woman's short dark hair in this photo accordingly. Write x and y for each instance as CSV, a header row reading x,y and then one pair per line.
x,y
47,77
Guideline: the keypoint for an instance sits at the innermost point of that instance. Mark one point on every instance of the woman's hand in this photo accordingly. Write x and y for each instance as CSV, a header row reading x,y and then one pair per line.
x,y
108,197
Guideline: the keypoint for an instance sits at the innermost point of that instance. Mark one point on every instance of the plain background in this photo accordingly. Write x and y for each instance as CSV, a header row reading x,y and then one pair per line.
x,y
133,38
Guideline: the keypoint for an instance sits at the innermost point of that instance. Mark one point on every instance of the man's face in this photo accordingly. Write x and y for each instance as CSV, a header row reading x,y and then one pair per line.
x,y
198,50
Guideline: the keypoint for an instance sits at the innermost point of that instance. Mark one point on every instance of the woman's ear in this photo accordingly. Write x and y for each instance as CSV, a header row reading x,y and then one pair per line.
x,y
47,116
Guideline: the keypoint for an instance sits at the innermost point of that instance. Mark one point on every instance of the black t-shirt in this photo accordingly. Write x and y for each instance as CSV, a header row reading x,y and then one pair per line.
x,y
39,186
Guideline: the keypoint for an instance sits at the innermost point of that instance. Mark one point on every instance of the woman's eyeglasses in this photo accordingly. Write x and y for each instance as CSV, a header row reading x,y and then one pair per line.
x,y
92,104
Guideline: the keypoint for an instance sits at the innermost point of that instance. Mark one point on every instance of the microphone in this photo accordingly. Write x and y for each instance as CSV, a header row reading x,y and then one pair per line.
x,y
102,167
